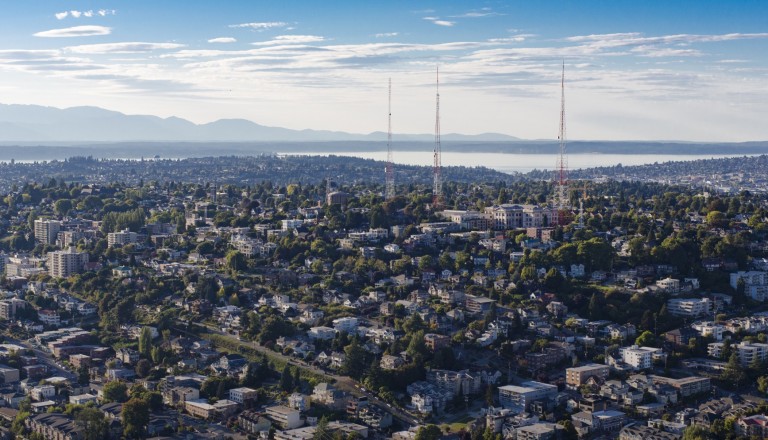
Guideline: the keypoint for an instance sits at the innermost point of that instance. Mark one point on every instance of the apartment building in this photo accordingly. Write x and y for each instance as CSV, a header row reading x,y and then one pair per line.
x,y
62,264
47,231
689,307
518,398
578,376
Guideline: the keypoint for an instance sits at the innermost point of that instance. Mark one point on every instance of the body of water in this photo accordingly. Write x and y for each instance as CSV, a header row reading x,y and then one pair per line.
x,y
510,163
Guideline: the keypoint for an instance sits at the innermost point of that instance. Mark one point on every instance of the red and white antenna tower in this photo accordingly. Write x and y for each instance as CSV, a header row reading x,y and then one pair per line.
x,y
561,169
437,183
389,191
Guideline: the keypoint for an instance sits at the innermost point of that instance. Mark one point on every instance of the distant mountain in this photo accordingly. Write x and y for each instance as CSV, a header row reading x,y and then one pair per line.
x,y
32,123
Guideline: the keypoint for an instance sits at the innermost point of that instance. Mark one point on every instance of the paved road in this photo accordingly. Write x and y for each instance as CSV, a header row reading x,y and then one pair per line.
x,y
344,383
45,358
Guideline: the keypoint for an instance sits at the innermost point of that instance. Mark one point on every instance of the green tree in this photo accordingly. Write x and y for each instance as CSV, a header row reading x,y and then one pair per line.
x,y
429,432
733,372
646,339
115,391
93,423
354,362
286,379
145,342
135,418
321,430
143,367
762,384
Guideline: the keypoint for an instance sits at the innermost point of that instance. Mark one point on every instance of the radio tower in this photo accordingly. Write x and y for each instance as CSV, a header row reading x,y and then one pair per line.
x,y
437,184
389,191
561,177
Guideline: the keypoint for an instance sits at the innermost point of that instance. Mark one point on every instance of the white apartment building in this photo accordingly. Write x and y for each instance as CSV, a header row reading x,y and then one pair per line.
x,y
47,231
519,398
755,283
8,307
689,307
747,352
121,238
709,329
639,358
62,264
242,394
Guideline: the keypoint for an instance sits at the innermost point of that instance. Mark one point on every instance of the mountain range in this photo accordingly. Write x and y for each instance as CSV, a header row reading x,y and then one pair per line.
x,y
50,125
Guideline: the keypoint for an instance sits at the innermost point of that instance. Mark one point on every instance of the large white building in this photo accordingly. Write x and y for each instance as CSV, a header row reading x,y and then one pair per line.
x,y
509,216
747,352
639,358
709,329
62,264
755,283
47,231
519,398
689,307
121,238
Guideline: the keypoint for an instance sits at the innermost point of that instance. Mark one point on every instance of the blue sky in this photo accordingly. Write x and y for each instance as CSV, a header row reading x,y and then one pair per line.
x,y
642,70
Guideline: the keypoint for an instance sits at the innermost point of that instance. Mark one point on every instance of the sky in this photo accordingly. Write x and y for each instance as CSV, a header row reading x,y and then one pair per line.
x,y
634,70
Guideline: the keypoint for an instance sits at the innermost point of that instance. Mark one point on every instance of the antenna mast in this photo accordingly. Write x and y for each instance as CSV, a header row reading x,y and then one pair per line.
x,y
437,184
389,191
561,177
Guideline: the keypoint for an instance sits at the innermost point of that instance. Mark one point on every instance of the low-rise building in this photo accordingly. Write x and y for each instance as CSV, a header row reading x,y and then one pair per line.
x,y
519,398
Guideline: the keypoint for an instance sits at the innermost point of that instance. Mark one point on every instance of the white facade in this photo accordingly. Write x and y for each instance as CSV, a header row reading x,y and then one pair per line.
x,y
62,264
709,329
347,325
689,307
121,238
47,231
639,358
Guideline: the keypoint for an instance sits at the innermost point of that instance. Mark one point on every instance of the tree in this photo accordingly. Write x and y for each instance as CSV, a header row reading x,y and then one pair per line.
x,y
236,261
143,367
429,432
321,431
762,384
646,339
145,342
286,379
115,391
354,362
135,418
733,371
93,423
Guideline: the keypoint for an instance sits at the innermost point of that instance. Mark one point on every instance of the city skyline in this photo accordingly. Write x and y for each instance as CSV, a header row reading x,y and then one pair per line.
x,y
692,71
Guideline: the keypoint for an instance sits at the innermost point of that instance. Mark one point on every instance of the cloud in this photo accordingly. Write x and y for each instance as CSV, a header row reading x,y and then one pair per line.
x,y
260,26
76,31
291,39
127,47
88,14
439,22
386,35
223,40
484,12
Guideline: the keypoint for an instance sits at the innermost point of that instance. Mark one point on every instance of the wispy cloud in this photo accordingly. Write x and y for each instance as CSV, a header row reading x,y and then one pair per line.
x,y
291,39
127,47
75,31
439,22
386,35
483,12
88,14
223,40
260,26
